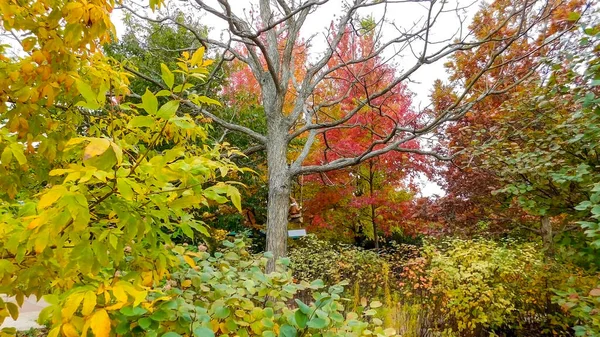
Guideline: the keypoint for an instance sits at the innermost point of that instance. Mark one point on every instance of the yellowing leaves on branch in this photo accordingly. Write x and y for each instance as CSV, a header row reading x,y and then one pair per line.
x,y
90,189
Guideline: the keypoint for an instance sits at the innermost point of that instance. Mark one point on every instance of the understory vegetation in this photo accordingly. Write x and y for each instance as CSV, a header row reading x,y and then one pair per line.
x,y
457,287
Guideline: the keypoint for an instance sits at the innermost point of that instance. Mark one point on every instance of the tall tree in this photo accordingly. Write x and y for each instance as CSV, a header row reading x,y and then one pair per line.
x,y
273,65
371,190
470,180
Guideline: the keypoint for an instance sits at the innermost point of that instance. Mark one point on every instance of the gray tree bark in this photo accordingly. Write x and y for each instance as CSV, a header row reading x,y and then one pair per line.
x,y
279,192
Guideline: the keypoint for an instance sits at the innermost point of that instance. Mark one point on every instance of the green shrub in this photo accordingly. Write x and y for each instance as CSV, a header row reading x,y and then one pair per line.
x,y
582,303
230,294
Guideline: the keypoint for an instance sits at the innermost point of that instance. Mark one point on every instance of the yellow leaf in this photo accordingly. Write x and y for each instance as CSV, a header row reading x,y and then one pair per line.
x,y
36,222
96,147
89,303
41,241
54,332
69,330
189,261
71,306
100,323
147,278
198,56
119,293
214,324
74,141
51,197
118,152
59,172
6,156
38,57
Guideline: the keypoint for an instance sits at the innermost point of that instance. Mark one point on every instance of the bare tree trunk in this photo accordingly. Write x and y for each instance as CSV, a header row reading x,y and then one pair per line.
x,y
546,231
373,220
279,192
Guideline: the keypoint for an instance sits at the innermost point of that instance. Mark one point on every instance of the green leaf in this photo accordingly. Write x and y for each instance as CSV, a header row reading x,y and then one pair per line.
x,y
583,205
301,319
163,93
168,110
133,311
303,307
149,102
287,331
167,75
159,315
180,88
86,91
222,312
124,189
317,284
574,16
317,323
199,100
171,334
182,122
203,332
141,121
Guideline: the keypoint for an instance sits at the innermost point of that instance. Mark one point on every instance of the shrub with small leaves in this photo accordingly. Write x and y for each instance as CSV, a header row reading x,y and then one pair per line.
x,y
473,286
334,262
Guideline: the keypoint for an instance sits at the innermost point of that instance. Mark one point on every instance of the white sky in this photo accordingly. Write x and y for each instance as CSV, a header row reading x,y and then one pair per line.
x,y
399,15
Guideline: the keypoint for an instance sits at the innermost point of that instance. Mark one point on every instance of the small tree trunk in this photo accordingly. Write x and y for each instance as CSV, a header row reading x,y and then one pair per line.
x,y
373,217
374,222
547,236
279,197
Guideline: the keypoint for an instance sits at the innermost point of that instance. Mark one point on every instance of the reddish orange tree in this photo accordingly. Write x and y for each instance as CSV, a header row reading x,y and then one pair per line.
x,y
372,196
468,183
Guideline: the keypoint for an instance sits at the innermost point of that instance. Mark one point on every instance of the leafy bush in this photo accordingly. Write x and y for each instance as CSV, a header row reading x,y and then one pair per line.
x,y
482,287
228,293
335,262
583,303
